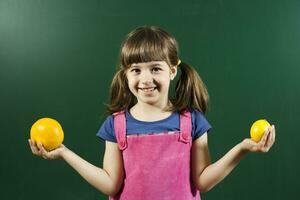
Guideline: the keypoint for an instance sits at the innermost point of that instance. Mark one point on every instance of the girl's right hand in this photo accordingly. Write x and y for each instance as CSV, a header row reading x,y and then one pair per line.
x,y
38,150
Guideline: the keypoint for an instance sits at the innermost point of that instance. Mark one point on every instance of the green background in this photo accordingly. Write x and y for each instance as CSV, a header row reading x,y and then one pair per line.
x,y
58,57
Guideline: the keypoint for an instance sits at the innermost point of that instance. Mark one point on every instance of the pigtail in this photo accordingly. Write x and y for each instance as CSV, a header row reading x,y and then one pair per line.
x,y
190,91
120,97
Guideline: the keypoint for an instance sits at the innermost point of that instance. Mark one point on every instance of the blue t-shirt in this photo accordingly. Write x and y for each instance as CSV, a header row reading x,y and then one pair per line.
x,y
172,123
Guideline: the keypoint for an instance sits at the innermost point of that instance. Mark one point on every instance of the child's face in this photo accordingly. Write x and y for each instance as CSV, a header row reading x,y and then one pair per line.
x,y
149,81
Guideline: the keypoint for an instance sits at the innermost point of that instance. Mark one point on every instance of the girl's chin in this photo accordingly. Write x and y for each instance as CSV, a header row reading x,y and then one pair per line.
x,y
148,99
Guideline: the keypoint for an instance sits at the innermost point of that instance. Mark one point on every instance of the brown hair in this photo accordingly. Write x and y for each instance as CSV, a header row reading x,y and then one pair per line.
x,y
146,44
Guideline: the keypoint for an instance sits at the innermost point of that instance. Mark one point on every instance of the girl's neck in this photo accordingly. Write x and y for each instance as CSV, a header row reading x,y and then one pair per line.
x,y
148,112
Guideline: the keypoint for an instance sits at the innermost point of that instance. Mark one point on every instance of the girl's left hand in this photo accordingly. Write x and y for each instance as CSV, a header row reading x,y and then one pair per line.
x,y
263,145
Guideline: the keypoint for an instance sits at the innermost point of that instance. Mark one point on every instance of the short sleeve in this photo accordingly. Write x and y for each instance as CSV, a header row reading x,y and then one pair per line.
x,y
106,131
200,125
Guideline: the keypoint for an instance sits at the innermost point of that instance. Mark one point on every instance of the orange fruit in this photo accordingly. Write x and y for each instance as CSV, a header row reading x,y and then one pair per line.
x,y
258,129
47,131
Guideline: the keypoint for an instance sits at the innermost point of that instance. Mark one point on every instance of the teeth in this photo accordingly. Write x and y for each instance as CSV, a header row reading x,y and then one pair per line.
x,y
148,89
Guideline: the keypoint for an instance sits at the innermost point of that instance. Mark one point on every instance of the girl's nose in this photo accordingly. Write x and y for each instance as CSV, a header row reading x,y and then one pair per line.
x,y
146,77
145,83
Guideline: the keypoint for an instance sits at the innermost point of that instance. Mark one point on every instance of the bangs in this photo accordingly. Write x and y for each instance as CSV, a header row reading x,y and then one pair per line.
x,y
145,46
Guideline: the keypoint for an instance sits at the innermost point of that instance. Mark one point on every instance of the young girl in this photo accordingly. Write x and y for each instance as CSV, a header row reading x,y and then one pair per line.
x,y
155,146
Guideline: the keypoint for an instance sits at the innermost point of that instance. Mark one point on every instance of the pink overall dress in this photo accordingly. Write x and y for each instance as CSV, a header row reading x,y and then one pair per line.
x,y
157,166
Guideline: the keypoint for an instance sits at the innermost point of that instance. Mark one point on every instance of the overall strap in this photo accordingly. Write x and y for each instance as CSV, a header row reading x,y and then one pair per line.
x,y
120,129
186,127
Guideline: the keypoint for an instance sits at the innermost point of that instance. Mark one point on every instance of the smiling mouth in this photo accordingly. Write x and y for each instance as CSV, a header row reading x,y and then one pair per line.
x,y
148,89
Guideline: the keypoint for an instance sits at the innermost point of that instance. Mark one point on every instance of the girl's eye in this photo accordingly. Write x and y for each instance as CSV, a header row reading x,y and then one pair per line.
x,y
156,69
135,70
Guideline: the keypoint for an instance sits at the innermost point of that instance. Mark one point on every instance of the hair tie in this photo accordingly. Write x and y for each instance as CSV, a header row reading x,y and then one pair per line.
x,y
178,63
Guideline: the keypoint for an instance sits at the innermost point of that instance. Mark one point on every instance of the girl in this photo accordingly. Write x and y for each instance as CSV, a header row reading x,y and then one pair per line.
x,y
155,146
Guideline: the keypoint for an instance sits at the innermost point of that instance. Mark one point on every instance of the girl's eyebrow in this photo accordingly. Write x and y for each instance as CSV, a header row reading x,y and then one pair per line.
x,y
154,64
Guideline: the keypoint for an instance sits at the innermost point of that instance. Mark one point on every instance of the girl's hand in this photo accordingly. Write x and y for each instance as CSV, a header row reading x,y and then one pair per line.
x,y
39,150
263,145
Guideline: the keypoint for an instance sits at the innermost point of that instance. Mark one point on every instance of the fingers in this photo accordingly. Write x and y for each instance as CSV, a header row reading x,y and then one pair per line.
x,y
272,137
274,134
261,146
267,144
265,137
42,151
268,139
33,147
38,149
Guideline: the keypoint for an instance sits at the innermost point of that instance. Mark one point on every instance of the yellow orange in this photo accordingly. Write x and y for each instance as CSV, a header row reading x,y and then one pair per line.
x,y
258,129
47,131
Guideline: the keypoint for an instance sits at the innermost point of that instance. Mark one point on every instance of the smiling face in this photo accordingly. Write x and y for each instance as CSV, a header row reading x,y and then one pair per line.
x,y
149,82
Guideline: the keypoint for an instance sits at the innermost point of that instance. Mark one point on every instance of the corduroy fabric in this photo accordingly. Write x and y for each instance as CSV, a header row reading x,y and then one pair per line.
x,y
157,166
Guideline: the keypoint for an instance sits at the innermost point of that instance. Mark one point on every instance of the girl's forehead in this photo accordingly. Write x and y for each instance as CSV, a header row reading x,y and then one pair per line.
x,y
149,64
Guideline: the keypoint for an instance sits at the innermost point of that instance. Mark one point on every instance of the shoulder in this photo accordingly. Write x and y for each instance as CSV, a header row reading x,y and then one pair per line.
x,y
197,115
200,124
196,112
106,131
109,121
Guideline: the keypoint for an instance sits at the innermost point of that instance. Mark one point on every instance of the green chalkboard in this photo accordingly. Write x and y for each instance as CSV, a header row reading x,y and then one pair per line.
x,y
57,59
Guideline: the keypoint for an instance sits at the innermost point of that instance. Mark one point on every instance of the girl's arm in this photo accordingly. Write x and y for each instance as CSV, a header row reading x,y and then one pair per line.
x,y
108,180
206,175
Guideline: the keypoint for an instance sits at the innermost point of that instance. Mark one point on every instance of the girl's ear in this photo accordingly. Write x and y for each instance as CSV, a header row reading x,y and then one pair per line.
x,y
173,72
